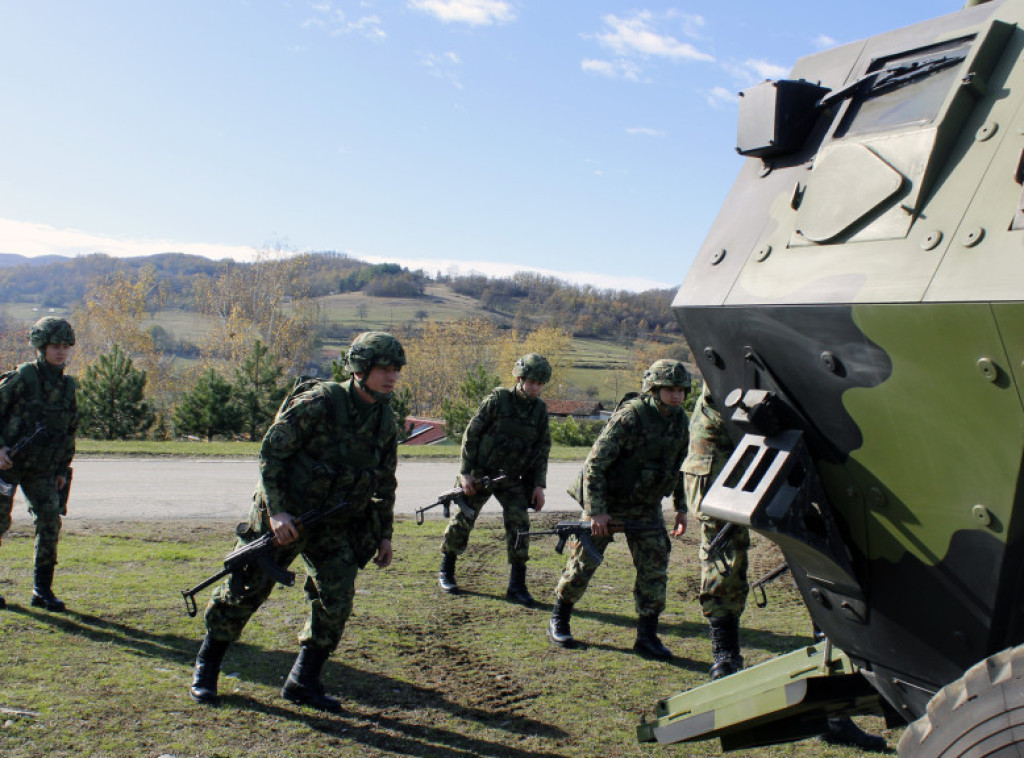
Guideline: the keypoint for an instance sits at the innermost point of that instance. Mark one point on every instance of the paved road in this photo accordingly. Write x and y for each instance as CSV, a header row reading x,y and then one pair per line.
x,y
131,489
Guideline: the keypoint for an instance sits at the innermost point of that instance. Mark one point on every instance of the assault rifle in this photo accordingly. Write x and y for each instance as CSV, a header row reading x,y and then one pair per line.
x,y
716,546
7,489
445,499
258,552
765,580
581,530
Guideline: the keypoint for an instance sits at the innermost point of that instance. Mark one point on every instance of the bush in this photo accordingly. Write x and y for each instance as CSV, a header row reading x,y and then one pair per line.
x,y
573,433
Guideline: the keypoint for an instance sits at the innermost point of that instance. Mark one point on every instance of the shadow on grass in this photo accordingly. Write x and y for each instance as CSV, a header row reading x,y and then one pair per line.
x,y
390,734
170,647
269,667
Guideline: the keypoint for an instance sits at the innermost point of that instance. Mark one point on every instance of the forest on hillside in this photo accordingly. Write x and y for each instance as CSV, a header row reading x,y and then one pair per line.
x,y
186,282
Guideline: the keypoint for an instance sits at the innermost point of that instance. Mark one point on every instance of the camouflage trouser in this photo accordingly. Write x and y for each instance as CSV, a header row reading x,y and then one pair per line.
x,y
45,506
331,569
721,594
650,551
514,504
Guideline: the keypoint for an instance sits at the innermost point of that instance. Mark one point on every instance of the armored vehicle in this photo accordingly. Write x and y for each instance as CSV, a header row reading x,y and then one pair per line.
x,y
858,305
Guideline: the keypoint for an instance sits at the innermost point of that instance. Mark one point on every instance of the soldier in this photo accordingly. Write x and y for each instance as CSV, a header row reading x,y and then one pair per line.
x,y
37,402
633,464
723,577
329,443
508,435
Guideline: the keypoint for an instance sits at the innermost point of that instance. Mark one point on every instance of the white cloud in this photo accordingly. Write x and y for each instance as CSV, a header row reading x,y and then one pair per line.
x,y
823,42
644,131
23,238
766,70
335,23
472,12
719,97
454,267
618,69
442,67
32,240
638,36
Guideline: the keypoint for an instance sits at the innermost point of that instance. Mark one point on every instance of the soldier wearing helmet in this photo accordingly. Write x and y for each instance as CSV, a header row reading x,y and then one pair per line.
x,y
633,464
329,442
38,420
508,435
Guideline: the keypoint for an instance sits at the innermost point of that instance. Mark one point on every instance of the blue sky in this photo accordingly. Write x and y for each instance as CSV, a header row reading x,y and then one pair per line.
x,y
591,139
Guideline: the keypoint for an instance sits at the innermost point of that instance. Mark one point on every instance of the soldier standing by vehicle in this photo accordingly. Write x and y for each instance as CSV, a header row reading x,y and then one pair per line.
x,y
38,408
723,576
329,443
508,435
633,464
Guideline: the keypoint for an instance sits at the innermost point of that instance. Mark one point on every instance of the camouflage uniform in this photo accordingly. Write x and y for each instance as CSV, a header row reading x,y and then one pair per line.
x,y
723,577
327,445
508,434
633,464
39,397
710,447
39,393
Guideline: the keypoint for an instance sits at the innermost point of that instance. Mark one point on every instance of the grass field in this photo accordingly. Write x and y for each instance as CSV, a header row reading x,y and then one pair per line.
x,y
419,673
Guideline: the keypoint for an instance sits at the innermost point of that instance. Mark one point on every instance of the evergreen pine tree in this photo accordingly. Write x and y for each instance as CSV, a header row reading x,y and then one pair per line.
x,y
110,398
208,409
258,391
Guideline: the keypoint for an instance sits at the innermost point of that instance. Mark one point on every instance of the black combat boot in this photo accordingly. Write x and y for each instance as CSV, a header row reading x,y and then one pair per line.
x,y
303,684
725,646
647,642
42,595
842,731
3,603
517,592
558,626
446,576
204,678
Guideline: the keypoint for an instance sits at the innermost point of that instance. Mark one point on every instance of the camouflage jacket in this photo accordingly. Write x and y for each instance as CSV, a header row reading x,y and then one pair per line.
x,y
710,444
510,433
329,444
37,393
635,460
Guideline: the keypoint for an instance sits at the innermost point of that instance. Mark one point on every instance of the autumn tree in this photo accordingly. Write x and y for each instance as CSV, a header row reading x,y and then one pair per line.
x,y
111,400
259,300
208,409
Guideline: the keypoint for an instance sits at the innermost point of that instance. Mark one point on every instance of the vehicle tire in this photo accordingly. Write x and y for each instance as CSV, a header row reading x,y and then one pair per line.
x,y
980,714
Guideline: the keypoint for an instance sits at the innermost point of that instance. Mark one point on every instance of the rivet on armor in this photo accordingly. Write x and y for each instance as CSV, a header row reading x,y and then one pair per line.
x,y
988,369
712,357
972,236
829,361
763,252
876,497
718,256
982,514
986,131
931,240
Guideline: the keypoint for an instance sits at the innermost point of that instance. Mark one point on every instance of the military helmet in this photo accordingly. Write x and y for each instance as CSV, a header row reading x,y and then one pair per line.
x,y
533,366
371,349
665,373
51,330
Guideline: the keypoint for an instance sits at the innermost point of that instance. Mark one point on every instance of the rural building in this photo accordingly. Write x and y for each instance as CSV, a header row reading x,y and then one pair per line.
x,y
578,409
424,431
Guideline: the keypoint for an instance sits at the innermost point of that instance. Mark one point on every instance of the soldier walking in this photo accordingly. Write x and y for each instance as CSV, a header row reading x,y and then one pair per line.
x,y
508,435
332,442
632,466
38,408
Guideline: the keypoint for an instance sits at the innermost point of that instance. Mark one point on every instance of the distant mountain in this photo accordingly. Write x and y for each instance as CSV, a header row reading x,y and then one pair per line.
x,y
13,259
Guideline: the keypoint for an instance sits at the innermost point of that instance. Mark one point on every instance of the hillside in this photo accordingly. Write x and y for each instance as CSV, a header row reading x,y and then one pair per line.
x,y
349,296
